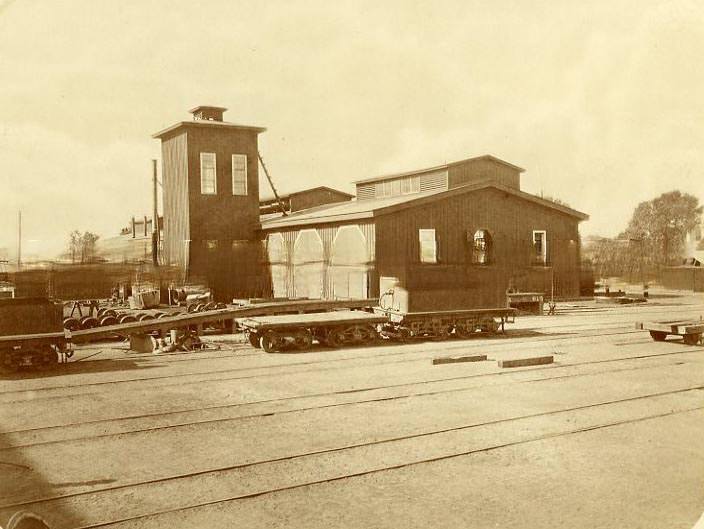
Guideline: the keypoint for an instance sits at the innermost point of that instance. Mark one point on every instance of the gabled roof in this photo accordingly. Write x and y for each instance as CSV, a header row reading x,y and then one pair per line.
x,y
367,209
267,198
207,123
439,168
303,191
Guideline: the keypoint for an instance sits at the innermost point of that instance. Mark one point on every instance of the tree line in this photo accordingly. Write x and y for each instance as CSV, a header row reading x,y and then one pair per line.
x,y
82,247
654,237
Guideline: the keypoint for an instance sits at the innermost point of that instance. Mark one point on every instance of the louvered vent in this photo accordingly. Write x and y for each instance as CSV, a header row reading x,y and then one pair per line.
x,y
365,191
433,181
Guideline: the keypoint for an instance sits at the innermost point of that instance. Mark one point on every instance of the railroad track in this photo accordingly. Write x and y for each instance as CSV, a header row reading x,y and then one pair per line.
x,y
197,378
565,422
411,350
536,374
358,354
175,493
589,327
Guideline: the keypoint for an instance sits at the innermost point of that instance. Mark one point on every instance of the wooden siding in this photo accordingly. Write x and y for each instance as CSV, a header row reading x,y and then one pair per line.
x,y
456,283
231,269
478,170
223,216
176,212
224,251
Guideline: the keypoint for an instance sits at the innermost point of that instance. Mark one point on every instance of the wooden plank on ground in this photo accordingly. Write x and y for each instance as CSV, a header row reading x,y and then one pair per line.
x,y
458,359
522,362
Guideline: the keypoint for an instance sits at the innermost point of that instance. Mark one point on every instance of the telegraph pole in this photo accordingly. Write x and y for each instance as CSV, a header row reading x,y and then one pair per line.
x,y
19,239
155,218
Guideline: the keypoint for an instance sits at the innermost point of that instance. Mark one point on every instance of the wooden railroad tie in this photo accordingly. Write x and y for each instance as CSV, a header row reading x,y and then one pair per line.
x,y
458,359
521,362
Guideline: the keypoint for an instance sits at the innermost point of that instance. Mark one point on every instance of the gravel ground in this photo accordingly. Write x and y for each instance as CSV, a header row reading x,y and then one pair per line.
x,y
607,436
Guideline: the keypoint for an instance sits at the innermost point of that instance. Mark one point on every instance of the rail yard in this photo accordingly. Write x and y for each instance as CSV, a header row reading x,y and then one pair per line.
x,y
370,436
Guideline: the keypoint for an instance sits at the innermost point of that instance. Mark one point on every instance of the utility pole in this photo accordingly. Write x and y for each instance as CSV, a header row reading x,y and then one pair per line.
x,y
19,239
155,218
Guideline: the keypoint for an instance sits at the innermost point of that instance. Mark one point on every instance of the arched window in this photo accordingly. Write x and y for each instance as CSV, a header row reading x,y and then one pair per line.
x,y
481,247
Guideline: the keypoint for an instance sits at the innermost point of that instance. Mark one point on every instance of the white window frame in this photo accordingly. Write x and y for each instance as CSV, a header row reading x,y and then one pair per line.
x,y
433,258
410,185
395,187
544,249
388,188
215,174
239,157
481,251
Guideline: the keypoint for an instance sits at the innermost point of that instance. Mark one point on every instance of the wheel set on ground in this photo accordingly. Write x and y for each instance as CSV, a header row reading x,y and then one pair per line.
x,y
108,320
72,324
88,322
126,318
105,318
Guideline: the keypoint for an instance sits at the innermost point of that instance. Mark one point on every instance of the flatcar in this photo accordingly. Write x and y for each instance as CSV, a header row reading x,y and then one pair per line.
x,y
275,333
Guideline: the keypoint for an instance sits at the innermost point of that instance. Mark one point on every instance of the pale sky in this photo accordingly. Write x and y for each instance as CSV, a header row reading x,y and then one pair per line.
x,y
601,102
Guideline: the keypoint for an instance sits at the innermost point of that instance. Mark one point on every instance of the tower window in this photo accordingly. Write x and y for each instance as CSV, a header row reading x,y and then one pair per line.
x,y
208,180
481,247
540,248
239,174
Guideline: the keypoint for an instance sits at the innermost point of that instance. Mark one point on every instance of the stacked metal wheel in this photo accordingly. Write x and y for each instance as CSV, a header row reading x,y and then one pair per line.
x,y
199,306
107,317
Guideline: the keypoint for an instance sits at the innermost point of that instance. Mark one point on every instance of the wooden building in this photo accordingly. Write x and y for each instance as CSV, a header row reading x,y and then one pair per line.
x,y
211,202
212,209
449,237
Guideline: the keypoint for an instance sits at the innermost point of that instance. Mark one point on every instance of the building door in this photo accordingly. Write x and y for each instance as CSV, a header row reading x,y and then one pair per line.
x,y
350,264
308,265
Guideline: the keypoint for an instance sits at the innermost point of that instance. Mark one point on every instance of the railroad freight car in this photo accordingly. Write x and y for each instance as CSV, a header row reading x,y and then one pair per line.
x,y
31,332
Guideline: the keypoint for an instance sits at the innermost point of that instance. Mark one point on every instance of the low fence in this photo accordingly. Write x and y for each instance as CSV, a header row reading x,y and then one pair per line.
x,y
683,278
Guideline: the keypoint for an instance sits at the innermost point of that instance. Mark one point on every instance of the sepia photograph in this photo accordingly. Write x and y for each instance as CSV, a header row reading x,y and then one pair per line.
x,y
352,265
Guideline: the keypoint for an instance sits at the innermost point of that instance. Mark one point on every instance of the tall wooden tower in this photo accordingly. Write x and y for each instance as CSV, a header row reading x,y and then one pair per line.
x,y
211,202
